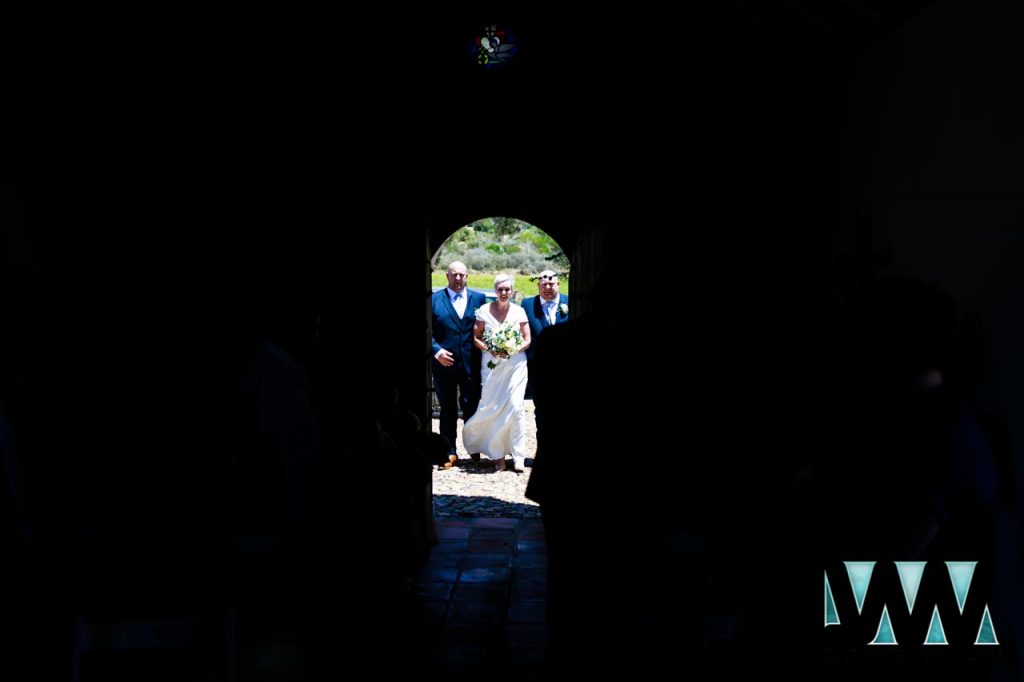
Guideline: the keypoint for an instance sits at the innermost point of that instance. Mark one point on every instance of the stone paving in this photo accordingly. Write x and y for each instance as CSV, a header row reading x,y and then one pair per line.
x,y
485,586
485,598
477,490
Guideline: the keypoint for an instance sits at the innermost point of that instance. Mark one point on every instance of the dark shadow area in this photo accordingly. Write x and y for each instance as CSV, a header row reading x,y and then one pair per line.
x,y
216,228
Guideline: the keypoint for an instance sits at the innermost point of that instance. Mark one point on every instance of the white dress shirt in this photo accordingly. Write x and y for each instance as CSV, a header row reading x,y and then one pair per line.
x,y
459,301
549,310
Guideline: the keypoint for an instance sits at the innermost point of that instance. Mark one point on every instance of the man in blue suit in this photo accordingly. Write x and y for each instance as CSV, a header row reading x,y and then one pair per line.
x,y
546,309
456,364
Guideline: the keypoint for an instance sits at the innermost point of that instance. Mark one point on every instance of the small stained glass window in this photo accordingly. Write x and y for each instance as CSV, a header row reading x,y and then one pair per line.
x,y
494,47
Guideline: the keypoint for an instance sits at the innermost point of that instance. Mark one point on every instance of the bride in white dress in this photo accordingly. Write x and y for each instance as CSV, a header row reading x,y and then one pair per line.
x,y
499,426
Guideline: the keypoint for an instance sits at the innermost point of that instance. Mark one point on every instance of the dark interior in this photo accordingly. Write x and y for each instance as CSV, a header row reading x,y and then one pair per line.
x,y
174,175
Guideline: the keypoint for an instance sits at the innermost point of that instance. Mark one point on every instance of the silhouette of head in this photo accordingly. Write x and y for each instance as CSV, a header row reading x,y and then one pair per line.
x,y
608,293
907,325
291,316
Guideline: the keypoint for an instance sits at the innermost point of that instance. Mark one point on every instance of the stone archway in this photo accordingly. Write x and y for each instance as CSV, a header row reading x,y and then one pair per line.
x,y
488,246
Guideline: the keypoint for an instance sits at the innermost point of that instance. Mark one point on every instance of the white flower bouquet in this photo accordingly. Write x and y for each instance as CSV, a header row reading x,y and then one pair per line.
x,y
505,340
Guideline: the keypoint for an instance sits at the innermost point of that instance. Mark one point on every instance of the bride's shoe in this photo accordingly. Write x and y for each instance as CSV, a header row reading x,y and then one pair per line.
x,y
499,465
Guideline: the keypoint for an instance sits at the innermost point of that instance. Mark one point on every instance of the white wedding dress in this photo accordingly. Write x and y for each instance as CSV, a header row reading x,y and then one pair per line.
x,y
499,426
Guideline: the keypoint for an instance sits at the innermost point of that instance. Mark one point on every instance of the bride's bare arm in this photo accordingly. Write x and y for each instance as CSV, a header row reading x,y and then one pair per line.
x,y
524,329
478,333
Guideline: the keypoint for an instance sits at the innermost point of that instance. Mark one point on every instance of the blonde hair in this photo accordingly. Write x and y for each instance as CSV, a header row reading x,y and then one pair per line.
x,y
498,279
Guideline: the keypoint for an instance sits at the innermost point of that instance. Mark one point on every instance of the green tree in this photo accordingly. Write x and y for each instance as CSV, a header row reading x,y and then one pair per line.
x,y
502,244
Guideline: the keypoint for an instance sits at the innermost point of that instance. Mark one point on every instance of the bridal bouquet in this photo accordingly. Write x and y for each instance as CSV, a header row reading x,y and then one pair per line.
x,y
506,339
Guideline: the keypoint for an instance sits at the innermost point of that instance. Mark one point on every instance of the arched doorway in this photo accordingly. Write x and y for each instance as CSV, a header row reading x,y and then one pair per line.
x,y
488,247
487,574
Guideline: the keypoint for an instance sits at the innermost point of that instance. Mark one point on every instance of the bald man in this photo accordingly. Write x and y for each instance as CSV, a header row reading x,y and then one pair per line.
x,y
456,364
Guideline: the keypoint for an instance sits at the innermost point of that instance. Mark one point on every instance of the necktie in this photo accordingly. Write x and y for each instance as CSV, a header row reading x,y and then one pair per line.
x,y
549,309
455,303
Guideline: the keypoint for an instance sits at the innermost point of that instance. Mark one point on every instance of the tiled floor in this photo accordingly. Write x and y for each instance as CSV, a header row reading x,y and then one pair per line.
x,y
486,591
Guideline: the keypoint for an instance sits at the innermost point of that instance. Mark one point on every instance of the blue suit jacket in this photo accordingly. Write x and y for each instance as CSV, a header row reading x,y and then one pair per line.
x,y
453,334
538,321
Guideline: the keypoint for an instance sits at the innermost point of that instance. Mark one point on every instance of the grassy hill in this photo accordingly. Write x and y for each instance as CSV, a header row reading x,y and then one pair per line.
x,y
485,282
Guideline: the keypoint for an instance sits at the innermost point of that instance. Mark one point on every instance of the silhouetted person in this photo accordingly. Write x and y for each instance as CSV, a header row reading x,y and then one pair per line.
x,y
278,394
398,484
284,497
908,473
588,514
929,479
